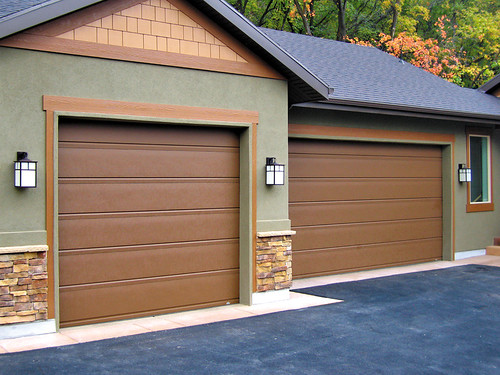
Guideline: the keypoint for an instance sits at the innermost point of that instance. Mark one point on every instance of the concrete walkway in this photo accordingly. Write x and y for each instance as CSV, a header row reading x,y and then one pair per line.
x,y
75,335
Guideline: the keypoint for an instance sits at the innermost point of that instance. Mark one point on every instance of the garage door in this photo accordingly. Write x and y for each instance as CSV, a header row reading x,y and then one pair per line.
x,y
359,205
148,219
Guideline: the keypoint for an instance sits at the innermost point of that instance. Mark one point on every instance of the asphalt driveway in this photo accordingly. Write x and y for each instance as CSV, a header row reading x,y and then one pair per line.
x,y
434,322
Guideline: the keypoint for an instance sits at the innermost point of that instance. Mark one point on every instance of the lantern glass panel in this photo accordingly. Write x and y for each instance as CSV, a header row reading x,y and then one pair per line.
x,y
17,178
269,174
279,176
29,178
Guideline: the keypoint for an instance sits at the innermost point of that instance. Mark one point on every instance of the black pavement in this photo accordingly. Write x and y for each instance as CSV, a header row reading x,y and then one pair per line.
x,y
433,322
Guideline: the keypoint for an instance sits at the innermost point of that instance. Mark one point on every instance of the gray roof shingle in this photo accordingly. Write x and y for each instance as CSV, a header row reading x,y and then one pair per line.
x,y
8,7
365,75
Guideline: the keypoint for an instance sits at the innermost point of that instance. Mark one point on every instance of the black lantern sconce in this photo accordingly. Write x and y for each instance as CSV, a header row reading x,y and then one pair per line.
x,y
464,173
275,173
25,171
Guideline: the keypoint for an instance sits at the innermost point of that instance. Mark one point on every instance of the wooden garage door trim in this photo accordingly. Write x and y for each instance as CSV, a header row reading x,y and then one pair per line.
x,y
338,133
308,131
133,111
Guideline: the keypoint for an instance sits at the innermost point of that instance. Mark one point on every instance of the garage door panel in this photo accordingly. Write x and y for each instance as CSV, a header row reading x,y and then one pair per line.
x,y
323,236
115,195
333,189
119,300
359,205
363,166
349,200
324,147
148,219
352,211
88,231
134,262
344,259
150,134
146,162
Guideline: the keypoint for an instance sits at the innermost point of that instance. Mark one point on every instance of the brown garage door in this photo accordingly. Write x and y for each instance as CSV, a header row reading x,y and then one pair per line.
x,y
148,219
359,205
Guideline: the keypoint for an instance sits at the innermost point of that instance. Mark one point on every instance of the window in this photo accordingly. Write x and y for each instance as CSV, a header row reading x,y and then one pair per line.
x,y
479,155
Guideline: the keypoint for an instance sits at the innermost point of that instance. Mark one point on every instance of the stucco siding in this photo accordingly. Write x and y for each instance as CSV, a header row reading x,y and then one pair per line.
x,y
28,75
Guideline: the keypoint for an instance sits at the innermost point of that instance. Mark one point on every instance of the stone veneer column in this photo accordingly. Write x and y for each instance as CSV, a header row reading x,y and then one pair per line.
x,y
274,260
23,284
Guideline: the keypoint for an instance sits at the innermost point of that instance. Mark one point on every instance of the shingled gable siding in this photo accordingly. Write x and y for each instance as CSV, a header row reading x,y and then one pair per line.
x,y
23,284
171,33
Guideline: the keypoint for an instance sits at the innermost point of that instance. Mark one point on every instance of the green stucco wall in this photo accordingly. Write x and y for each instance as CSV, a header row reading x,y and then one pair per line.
x,y
28,75
473,231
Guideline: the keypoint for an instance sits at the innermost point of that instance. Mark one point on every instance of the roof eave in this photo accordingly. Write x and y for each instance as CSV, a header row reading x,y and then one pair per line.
x,y
40,13
274,51
406,111
491,85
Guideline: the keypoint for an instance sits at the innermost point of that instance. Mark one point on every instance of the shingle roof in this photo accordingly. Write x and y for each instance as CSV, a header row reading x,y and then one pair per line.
x,y
18,15
367,76
8,7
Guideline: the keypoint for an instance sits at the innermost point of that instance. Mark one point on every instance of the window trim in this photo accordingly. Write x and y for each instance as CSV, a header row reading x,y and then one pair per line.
x,y
480,206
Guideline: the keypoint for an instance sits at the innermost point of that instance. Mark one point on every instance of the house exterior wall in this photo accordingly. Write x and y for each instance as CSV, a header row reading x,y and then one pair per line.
x,y
463,231
29,75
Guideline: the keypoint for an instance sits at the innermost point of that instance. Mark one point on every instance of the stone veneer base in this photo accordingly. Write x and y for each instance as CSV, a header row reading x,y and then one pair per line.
x,y
23,284
42,327
274,260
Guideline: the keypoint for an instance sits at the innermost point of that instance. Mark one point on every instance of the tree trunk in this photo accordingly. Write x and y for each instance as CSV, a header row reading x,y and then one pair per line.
x,y
395,15
341,29
305,22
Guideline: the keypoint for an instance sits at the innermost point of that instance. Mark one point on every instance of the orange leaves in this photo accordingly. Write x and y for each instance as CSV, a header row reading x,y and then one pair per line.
x,y
426,54
306,9
356,40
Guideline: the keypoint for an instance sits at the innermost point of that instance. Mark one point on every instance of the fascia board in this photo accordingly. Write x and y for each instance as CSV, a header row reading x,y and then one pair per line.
x,y
377,108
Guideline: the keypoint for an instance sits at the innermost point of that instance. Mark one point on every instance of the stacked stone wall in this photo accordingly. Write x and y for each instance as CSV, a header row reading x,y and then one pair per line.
x,y
274,262
23,285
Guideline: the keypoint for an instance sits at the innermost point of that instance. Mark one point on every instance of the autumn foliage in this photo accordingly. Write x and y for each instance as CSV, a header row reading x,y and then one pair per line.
x,y
427,54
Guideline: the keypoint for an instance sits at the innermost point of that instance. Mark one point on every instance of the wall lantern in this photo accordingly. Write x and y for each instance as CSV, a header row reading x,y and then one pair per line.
x,y
275,173
464,173
24,171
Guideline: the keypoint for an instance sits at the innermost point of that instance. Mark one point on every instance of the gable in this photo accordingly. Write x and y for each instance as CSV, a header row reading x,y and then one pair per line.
x,y
160,32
